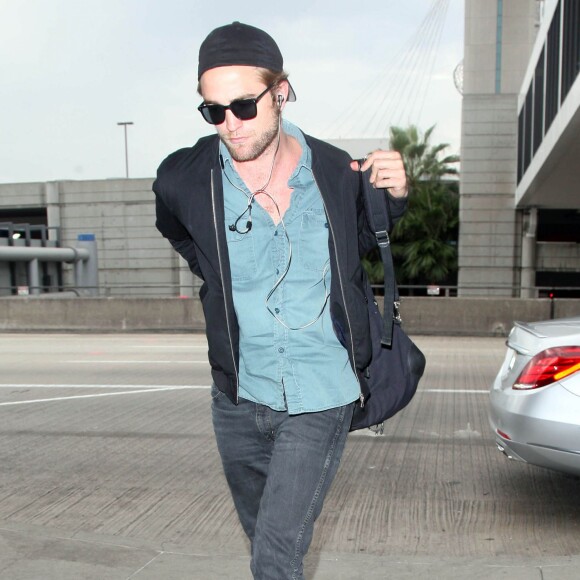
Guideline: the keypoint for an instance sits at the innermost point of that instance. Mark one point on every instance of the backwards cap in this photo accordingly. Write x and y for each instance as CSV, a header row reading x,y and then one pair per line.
x,y
241,44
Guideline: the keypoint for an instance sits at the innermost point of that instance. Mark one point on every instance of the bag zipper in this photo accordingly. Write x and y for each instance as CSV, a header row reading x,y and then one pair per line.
x,y
220,260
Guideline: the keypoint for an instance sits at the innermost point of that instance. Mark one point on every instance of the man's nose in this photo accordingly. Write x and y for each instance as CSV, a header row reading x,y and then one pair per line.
x,y
232,122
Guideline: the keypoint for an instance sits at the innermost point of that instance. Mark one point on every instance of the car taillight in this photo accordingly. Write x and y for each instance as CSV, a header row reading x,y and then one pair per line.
x,y
549,366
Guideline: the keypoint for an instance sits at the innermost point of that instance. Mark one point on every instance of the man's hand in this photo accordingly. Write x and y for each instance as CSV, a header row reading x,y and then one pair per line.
x,y
387,171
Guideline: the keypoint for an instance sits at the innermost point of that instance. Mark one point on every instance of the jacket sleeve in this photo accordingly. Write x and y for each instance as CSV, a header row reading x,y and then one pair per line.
x,y
172,229
397,206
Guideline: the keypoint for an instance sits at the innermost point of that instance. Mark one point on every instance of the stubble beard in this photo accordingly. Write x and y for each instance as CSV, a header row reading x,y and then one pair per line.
x,y
260,145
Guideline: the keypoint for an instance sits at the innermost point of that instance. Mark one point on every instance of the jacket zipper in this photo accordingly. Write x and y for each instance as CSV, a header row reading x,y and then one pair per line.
x,y
220,260
361,396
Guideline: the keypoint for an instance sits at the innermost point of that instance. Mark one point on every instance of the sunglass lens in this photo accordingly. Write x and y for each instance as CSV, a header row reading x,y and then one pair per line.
x,y
214,114
244,109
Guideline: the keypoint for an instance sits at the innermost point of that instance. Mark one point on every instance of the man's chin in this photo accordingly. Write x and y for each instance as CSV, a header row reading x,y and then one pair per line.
x,y
240,153
251,149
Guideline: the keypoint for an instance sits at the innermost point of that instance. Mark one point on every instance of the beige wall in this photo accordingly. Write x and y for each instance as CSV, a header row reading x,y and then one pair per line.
x,y
133,257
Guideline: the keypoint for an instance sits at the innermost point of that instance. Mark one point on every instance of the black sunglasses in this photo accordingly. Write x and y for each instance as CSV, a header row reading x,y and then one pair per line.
x,y
243,109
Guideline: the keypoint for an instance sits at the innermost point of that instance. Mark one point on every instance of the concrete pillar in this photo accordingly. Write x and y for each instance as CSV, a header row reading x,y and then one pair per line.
x,y
499,37
185,283
87,271
33,277
52,195
528,278
189,284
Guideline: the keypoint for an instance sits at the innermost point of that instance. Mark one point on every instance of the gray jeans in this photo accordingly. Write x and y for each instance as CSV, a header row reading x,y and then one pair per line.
x,y
279,468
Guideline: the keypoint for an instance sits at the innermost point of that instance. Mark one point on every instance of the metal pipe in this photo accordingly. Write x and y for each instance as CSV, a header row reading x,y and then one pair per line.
x,y
26,254
87,271
124,124
33,277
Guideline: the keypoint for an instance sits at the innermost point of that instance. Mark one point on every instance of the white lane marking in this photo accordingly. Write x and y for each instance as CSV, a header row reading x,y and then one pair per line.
x,y
94,386
121,386
168,346
136,389
465,391
91,396
138,362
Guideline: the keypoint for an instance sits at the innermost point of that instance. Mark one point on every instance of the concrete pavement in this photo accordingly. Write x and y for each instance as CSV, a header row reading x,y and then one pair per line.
x,y
108,470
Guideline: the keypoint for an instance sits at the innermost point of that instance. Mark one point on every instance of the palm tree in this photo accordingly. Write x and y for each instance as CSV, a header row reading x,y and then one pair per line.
x,y
422,162
425,239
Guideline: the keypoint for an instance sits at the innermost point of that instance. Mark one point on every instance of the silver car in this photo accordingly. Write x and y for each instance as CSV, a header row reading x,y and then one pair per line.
x,y
535,398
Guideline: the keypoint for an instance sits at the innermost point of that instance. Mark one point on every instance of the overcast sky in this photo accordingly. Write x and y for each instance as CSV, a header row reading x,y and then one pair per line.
x,y
71,69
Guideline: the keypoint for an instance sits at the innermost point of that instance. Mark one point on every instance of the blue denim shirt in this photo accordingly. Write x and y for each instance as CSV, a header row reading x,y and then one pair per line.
x,y
302,370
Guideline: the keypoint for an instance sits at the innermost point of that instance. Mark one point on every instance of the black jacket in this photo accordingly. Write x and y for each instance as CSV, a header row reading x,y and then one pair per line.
x,y
190,214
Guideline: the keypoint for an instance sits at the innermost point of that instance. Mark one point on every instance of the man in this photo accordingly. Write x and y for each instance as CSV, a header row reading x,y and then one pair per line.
x,y
271,220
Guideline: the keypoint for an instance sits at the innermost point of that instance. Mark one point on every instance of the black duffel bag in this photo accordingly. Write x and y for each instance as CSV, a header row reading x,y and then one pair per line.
x,y
397,364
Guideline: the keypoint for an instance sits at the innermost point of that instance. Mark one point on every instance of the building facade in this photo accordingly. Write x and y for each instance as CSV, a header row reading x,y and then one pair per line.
x,y
133,259
519,189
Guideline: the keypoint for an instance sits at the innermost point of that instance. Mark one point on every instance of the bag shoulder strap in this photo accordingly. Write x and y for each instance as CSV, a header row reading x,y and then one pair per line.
x,y
380,220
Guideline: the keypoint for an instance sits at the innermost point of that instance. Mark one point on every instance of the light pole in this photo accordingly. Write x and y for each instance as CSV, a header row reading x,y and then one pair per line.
x,y
125,123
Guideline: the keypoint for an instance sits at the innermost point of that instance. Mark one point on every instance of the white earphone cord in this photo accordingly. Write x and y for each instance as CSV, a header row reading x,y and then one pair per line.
x,y
251,197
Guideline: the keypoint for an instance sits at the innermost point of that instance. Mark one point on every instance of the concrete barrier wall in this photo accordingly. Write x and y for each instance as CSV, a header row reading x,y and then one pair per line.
x,y
100,314
470,316
443,316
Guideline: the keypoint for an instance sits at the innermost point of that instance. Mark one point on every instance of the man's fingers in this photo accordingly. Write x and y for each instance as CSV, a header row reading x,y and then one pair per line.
x,y
381,158
387,170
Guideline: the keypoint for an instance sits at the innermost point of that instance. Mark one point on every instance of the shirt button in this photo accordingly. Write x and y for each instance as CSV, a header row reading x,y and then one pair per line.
x,y
281,349
277,271
276,233
277,310
326,225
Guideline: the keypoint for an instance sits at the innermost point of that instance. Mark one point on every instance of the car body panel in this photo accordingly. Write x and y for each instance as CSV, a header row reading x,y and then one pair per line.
x,y
540,426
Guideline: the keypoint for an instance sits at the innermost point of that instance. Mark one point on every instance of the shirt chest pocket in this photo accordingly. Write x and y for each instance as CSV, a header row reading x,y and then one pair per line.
x,y
313,240
242,256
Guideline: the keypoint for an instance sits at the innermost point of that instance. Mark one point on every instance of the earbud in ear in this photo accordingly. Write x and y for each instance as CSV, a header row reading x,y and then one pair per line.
x,y
280,100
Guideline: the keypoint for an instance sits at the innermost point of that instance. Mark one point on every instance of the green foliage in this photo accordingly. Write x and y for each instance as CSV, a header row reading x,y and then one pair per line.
x,y
422,161
425,239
